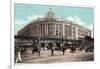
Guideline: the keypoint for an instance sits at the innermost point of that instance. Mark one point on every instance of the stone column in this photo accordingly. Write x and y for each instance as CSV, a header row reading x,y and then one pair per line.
x,y
47,29
63,30
76,33
54,44
58,30
42,30
55,29
45,45
71,31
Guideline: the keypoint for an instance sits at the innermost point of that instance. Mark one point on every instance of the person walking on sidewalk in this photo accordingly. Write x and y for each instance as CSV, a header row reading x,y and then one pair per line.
x,y
52,50
63,48
39,49
18,59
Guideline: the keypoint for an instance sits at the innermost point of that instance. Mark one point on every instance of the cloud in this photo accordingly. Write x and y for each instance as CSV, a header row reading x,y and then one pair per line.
x,y
19,21
33,17
91,28
20,24
78,20
70,18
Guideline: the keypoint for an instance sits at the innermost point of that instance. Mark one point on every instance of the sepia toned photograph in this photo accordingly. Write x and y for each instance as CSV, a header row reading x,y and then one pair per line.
x,y
47,34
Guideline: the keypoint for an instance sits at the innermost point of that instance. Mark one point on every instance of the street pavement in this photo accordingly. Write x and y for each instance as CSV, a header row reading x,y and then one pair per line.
x,y
46,58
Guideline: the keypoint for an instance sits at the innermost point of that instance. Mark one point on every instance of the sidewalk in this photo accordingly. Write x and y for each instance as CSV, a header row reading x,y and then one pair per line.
x,y
46,57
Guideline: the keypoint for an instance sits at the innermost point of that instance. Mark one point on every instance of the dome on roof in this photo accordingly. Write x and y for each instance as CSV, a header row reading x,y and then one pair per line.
x,y
50,14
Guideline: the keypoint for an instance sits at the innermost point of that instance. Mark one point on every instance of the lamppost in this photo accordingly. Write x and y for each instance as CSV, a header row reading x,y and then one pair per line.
x,y
39,46
62,41
62,46
75,46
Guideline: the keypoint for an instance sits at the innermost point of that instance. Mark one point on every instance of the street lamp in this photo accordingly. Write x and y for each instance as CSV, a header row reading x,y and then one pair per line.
x,y
62,40
62,46
39,46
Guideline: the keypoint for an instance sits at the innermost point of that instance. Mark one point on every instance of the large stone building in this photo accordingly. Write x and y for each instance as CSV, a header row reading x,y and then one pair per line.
x,y
51,26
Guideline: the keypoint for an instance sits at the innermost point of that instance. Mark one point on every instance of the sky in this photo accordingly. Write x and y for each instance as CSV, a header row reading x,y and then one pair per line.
x,y
25,13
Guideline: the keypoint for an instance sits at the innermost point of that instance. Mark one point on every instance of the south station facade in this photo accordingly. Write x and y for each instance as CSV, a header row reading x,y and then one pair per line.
x,y
51,29
51,26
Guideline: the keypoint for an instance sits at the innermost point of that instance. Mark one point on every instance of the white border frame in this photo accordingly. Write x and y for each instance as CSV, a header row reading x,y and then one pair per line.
x,y
59,3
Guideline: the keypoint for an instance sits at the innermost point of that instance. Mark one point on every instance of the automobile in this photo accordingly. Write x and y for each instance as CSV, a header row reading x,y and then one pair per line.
x,y
72,49
57,48
89,49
